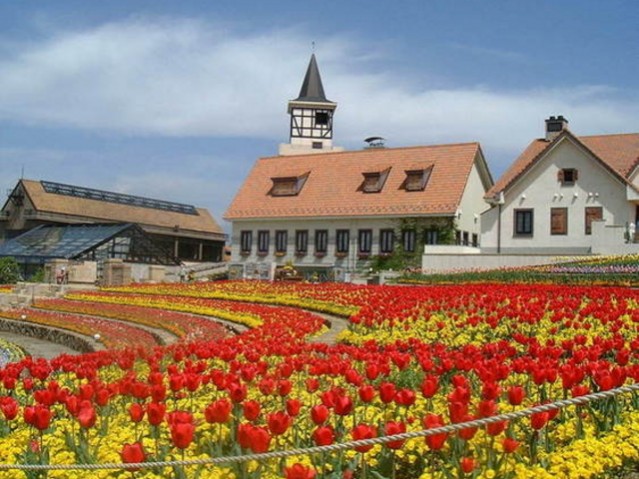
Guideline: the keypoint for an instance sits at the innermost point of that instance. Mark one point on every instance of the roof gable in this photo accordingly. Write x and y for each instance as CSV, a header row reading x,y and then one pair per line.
x,y
334,186
619,154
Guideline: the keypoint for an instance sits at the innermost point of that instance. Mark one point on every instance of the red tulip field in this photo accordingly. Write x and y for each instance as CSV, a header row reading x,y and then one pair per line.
x,y
412,358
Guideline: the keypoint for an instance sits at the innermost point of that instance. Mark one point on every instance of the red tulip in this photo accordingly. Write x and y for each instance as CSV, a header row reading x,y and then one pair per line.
x,y
312,385
579,390
155,413
9,408
343,405
136,412
538,420
284,387
182,434
293,407
133,454
510,445
266,386
237,392
467,464
390,429
299,471
486,408
363,431
434,441
218,411
319,414
278,422
158,393
251,410
516,395
496,428
405,397
324,435
387,392
87,417
38,416
258,439
467,433
429,387
490,391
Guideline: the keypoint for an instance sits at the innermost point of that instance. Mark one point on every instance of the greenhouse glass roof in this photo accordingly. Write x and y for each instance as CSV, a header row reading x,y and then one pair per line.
x,y
85,241
60,241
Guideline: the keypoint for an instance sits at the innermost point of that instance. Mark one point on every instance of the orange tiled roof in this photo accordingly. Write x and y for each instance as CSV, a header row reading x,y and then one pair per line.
x,y
620,153
333,184
98,210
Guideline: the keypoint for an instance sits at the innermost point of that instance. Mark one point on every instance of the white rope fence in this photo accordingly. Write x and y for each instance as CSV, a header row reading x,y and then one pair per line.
x,y
450,428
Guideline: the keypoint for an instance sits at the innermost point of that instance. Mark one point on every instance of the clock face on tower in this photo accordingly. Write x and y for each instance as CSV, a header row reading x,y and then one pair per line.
x,y
311,123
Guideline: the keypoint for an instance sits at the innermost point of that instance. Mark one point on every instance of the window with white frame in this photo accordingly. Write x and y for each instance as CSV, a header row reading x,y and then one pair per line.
x,y
281,241
301,241
246,241
365,241
263,237
386,241
342,239
321,241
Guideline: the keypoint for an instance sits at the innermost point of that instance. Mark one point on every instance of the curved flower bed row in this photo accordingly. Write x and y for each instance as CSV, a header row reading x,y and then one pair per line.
x,y
416,358
184,326
113,334
332,298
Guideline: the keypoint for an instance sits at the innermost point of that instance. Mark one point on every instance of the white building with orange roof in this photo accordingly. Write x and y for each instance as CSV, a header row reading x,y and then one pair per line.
x,y
566,195
331,212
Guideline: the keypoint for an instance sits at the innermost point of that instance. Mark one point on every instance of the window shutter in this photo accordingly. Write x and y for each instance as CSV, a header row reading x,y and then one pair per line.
x,y
560,176
575,174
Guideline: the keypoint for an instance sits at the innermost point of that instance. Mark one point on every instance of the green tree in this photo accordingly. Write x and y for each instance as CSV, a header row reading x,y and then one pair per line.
x,y
9,270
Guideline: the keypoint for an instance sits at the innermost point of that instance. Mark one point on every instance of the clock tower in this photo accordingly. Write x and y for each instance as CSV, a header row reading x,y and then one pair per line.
x,y
311,114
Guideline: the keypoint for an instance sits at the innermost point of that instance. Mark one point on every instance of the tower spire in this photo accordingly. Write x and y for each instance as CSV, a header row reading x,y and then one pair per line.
x,y
312,88
311,116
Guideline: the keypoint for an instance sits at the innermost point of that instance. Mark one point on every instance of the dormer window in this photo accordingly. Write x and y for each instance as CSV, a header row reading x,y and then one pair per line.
x,y
374,181
288,186
567,176
416,179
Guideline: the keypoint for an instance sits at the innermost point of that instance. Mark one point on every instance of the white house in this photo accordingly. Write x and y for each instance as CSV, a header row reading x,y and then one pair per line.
x,y
330,212
566,195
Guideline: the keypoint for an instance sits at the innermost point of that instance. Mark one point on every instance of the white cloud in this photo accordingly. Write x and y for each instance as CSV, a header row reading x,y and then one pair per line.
x,y
185,78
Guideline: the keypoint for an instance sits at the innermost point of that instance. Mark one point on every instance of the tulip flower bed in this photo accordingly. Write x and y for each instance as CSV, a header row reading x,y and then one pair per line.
x,y
113,334
332,298
413,359
602,270
6,288
184,326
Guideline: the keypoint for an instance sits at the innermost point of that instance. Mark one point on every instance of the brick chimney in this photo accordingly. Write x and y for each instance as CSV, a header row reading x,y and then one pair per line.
x,y
554,126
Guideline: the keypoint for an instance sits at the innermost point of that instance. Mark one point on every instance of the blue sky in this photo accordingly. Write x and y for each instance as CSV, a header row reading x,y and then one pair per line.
x,y
176,100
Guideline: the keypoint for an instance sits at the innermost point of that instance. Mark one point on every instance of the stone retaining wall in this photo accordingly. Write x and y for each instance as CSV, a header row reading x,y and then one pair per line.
x,y
53,335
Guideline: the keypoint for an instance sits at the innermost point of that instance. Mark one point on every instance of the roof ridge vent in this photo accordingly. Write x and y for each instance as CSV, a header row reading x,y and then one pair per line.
x,y
375,142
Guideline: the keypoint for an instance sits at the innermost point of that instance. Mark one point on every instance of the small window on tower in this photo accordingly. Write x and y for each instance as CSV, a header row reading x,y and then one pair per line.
x,y
317,145
321,118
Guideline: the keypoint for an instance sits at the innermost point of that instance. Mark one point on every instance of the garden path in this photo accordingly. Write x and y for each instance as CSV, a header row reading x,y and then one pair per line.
x,y
38,348
336,325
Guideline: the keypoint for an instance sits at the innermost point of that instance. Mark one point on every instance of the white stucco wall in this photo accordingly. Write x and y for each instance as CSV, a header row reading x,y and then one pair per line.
x,y
540,190
349,262
472,204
